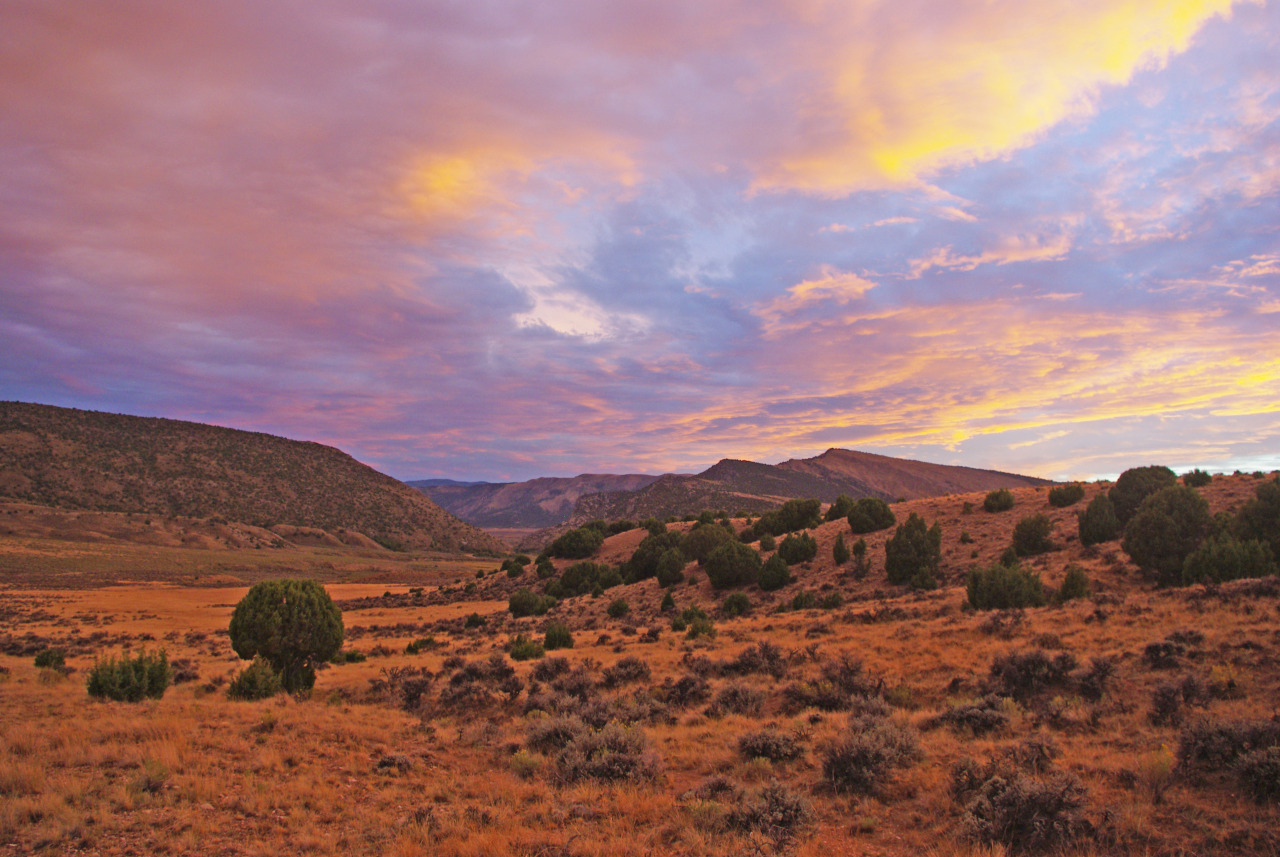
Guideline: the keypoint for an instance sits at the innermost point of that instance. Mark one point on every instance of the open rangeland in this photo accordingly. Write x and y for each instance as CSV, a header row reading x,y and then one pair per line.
x,y
870,723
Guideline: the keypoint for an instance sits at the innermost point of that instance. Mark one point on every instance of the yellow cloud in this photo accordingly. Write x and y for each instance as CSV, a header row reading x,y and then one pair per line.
x,y
906,98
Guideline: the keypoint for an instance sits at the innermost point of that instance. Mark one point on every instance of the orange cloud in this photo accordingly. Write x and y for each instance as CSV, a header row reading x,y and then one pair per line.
x,y
905,98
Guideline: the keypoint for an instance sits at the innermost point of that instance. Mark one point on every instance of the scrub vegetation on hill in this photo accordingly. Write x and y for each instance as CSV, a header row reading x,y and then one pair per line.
x,y
962,683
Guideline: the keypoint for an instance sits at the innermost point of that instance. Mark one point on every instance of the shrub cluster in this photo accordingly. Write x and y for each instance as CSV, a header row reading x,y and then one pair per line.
x,y
698,543
577,544
796,549
791,516
840,508
521,648
1062,496
615,753
1000,500
1024,674
736,604
583,578
54,659
867,756
870,515
913,553
1166,529
1222,558
1031,535
733,564
256,681
130,678
1017,809
1003,587
1196,478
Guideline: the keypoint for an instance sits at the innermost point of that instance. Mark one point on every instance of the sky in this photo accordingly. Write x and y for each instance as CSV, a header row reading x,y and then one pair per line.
x,y
497,240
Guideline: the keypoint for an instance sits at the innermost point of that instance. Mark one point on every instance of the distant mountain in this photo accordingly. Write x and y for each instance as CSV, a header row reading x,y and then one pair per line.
x,y
747,486
75,459
537,503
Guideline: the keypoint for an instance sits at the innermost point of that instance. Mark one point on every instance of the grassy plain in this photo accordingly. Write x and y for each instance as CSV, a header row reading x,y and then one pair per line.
x,y
354,769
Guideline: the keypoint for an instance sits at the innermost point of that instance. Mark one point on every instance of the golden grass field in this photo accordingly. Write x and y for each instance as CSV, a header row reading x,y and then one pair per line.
x,y
350,771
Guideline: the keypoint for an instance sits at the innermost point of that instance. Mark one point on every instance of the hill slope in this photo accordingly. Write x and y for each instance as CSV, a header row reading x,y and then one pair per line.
x,y
537,503
69,458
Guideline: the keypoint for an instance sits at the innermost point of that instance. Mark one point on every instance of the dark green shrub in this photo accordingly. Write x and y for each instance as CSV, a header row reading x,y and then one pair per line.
x,y
558,636
1098,522
1196,478
545,568
735,604
256,681
1075,585
1167,529
514,567
351,656
775,574
524,602
644,561
1000,500
618,608
698,543
861,565
654,526
668,603
475,620
130,678
577,544
51,659
583,578
768,543
965,538
671,568
913,553
694,622
1031,535
840,508
831,601
294,624
804,601
1260,517
872,750
421,645
1002,587
796,549
1223,558
1136,485
870,515
521,648
1062,496
840,551
732,564
791,516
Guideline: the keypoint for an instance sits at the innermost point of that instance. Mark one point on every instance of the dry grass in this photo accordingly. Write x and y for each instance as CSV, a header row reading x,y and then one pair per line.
x,y
195,773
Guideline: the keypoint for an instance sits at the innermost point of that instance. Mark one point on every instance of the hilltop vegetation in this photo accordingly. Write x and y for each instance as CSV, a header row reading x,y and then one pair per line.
x,y
73,459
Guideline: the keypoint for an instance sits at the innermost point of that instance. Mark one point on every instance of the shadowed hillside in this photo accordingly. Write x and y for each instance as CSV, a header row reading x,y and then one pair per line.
x,y
95,461
537,503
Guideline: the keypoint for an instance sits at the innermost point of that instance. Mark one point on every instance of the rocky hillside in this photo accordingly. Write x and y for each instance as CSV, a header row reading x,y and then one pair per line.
x,y
75,459
536,503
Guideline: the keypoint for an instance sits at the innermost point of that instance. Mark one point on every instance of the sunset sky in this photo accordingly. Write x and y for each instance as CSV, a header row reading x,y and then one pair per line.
x,y
497,240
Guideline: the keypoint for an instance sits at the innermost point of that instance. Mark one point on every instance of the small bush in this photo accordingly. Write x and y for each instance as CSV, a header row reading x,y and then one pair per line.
x,y
864,760
1031,535
870,515
552,734
130,679
1075,584
613,754
618,608
831,601
1026,814
422,644
1000,500
1062,496
668,603
776,810
796,549
737,698
732,564
522,648
582,578
670,567
736,604
1207,746
768,543
771,744
475,620
775,574
804,601
793,515
1259,774
913,553
840,551
626,671
841,508
1098,522
256,681
980,717
558,636
1223,558
1002,587
1196,478
524,602
1022,675
51,659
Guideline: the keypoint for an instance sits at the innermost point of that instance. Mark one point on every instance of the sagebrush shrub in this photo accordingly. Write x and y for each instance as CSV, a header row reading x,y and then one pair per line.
x,y
1026,813
775,810
1206,746
1024,674
615,753
1259,774
626,671
50,659
772,744
978,717
738,698
872,750
130,678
